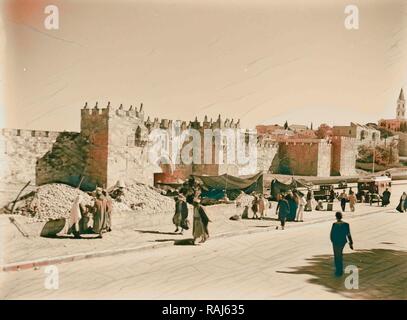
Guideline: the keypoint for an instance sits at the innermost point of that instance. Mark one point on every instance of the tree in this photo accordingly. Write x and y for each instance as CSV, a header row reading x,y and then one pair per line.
x,y
286,125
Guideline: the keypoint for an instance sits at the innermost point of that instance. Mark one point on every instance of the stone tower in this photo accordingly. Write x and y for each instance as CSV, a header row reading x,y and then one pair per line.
x,y
401,106
116,145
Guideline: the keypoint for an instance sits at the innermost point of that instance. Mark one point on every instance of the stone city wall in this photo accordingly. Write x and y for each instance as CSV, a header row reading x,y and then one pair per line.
x,y
19,152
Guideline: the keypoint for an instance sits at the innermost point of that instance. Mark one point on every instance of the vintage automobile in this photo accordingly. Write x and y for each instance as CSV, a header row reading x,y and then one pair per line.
x,y
371,189
342,185
323,192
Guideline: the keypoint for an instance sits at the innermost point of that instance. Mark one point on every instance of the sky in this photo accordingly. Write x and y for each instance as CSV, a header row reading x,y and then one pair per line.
x,y
262,61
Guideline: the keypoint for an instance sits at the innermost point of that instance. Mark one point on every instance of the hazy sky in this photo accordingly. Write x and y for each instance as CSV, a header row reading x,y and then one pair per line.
x,y
262,61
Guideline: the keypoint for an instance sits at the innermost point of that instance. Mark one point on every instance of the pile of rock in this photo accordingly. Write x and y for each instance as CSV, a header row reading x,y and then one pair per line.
x,y
245,200
54,201
51,201
140,197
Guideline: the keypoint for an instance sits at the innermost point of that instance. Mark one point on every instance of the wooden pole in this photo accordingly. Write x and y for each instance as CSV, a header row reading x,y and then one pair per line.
x,y
18,196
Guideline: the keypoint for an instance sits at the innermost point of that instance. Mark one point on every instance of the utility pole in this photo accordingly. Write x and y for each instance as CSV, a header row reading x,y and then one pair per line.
x,y
374,155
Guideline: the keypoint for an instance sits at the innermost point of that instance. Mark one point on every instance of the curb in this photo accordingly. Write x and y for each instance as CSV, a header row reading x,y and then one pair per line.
x,y
25,265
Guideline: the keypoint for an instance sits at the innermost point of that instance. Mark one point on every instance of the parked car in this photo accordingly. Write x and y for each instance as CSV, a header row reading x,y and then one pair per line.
x,y
342,185
323,192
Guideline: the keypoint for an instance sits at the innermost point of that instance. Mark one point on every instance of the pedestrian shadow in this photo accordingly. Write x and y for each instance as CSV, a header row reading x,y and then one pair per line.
x,y
71,237
177,242
163,240
158,232
270,219
184,242
381,274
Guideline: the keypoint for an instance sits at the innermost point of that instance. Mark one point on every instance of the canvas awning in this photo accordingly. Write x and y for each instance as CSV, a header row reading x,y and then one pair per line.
x,y
228,182
278,186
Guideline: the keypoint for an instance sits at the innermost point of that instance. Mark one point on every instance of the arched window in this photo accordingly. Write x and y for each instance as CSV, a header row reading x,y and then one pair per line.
x,y
138,133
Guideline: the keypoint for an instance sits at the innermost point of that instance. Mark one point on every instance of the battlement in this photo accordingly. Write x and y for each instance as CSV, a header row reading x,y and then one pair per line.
x,y
267,144
304,141
167,124
342,138
110,111
24,133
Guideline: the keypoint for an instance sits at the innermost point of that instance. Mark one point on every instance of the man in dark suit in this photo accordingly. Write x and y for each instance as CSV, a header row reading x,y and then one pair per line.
x,y
340,235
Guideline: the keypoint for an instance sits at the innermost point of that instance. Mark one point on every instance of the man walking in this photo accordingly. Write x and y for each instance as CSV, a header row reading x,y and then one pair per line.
x,y
283,210
340,235
344,198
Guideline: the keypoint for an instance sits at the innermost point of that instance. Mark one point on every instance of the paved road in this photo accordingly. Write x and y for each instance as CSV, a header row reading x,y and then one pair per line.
x,y
294,263
132,230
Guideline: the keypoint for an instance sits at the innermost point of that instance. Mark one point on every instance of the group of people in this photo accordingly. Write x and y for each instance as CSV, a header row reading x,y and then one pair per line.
x,y
258,205
201,220
344,198
290,207
100,211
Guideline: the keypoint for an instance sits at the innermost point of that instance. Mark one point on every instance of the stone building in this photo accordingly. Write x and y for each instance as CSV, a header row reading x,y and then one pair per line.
x,y
398,126
363,134
400,120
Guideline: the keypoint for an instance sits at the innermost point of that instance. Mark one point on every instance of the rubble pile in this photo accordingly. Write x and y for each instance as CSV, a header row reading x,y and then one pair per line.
x,y
51,201
245,200
55,200
140,197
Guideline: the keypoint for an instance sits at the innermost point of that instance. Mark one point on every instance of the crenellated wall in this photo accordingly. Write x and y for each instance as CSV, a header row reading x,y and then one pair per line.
x,y
19,152
114,144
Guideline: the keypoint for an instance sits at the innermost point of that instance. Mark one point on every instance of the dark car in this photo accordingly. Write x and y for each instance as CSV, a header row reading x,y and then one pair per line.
x,y
323,192
342,185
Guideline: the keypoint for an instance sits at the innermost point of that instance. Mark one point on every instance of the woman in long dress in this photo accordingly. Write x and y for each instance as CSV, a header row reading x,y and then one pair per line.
x,y
100,213
255,207
401,207
176,219
352,201
310,196
201,220
293,206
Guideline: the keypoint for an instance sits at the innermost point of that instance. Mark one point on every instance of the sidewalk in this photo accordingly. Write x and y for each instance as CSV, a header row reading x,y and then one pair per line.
x,y
134,232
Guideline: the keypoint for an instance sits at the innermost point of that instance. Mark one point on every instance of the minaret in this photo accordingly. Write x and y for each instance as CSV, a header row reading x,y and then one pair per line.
x,y
401,110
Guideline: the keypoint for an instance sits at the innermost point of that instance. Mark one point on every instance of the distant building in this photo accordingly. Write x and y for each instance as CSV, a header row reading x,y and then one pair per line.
x,y
363,135
400,120
268,129
298,127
